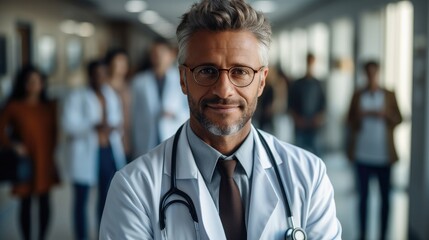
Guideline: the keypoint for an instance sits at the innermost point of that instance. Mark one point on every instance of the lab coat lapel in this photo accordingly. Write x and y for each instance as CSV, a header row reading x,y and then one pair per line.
x,y
210,216
264,201
185,163
187,174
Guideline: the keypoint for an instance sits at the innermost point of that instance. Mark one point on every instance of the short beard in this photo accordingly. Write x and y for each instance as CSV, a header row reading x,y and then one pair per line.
x,y
220,131
215,129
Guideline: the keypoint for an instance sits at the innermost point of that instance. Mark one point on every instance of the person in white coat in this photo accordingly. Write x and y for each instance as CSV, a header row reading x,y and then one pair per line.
x,y
181,189
92,120
158,105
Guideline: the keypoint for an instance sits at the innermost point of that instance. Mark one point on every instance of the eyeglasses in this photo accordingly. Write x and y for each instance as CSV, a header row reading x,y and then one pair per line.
x,y
240,76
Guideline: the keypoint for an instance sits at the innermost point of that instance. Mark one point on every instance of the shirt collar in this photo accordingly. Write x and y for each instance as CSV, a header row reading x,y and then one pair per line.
x,y
206,156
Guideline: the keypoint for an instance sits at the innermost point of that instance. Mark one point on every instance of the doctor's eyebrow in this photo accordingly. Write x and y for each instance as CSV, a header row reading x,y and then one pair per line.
x,y
217,66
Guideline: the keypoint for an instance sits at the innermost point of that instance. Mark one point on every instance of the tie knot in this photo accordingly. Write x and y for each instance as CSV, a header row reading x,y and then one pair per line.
x,y
227,167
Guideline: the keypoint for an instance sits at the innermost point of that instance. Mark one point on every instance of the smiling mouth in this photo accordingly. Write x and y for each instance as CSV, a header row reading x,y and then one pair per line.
x,y
223,106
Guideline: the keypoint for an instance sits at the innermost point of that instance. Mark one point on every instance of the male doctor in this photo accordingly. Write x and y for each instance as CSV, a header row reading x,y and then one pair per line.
x,y
218,178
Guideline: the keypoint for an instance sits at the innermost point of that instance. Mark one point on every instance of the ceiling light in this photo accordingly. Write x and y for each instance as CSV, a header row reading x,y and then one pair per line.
x,y
149,17
164,28
86,29
264,6
135,5
68,26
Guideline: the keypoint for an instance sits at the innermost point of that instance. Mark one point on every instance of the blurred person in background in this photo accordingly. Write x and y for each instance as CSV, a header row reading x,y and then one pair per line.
x,y
118,67
265,109
272,101
28,124
307,104
158,105
92,120
372,117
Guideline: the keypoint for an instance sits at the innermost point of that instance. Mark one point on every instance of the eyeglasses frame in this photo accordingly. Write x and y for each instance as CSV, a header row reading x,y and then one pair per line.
x,y
223,69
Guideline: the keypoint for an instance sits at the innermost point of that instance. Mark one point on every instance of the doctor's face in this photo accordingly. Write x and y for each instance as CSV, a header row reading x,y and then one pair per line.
x,y
222,108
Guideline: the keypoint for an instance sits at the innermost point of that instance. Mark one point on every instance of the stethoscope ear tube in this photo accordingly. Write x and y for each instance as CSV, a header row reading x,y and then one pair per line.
x,y
276,169
187,201
293,233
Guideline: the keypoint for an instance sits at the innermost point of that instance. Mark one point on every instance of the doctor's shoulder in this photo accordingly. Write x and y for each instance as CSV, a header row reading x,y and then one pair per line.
x,y
132,202
148,165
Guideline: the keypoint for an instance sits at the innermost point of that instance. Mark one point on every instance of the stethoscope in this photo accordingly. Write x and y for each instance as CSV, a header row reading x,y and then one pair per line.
x,y
292,233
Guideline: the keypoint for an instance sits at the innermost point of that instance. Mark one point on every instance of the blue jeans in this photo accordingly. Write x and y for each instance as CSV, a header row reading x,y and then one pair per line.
x,y
26,213
106,171
364,174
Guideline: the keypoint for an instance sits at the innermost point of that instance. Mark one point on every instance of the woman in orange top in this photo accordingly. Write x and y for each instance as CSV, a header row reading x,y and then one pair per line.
x,y
28,124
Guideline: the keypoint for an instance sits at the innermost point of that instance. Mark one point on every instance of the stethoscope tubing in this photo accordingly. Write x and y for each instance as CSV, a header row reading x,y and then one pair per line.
x,y
187,201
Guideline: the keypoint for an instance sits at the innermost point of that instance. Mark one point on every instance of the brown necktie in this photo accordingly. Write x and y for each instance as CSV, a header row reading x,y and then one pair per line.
x,y
230,205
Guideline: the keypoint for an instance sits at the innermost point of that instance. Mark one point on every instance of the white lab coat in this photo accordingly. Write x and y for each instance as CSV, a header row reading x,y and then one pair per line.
x,y
81,113
147,119
132,207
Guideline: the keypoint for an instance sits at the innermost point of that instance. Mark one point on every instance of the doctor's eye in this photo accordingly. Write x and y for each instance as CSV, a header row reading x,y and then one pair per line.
x,y
206,71
241,72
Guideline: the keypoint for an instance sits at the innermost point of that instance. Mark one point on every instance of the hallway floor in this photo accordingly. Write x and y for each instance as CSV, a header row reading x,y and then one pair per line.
x,y
339,171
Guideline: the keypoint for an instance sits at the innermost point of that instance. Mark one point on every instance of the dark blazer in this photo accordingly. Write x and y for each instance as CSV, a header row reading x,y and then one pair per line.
x,y
354,120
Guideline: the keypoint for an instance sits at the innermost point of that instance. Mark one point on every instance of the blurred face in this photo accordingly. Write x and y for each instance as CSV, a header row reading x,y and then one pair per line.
x,y
99,76
372,75
119,65
34,84
310,63
222,109
161,56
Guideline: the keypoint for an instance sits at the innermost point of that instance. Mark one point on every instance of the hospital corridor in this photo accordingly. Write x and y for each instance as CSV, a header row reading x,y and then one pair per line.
x,y
347,81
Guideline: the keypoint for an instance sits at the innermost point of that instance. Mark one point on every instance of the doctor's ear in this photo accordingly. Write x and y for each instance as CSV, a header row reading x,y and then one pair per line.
x,y
262,78
183,83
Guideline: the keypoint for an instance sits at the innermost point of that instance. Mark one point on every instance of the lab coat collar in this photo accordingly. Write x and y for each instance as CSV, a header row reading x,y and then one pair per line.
x,y
261,154
186,168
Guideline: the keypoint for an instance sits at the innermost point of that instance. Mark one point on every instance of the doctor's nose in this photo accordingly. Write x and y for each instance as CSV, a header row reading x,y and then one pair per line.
x,y
223,87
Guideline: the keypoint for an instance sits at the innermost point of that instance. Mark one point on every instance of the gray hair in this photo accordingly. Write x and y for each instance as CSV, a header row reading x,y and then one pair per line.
x,y
224,15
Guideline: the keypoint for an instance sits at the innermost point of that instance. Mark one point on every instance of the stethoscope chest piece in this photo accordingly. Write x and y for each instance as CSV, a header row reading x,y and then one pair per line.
x,y
295,234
